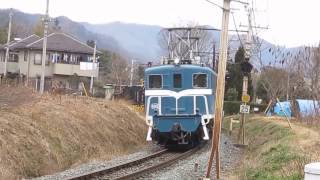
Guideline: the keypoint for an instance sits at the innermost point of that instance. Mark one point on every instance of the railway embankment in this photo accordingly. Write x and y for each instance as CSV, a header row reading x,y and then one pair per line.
x,y
275,151
41,135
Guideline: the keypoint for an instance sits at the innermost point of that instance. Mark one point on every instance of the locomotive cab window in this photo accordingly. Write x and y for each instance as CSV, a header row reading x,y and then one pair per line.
x,y
155,81
200,80
177,81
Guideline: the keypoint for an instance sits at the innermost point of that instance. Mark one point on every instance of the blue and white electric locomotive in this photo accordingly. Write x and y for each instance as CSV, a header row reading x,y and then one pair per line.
x,y
179,100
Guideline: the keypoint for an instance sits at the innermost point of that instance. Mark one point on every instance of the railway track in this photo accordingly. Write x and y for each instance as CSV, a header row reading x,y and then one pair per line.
x,y
139,167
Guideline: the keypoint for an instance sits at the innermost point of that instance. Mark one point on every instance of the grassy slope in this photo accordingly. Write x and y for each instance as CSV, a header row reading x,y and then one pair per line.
x,y
275,151
45,136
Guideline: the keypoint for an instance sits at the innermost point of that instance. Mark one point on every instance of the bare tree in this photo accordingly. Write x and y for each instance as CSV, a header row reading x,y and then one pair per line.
x,y
274,81
119,70
308,65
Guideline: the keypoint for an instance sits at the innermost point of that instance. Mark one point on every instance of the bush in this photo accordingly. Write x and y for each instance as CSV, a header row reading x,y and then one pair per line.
x,y
233,107
232,94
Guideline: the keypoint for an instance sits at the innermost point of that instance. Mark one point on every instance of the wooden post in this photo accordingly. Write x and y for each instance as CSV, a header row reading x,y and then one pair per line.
x,y
241,134
218,161
240,128
220,90
270,102
230,126
243,129
84,88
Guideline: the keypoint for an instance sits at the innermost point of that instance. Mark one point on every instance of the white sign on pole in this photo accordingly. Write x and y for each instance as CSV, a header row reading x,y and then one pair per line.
x,y
244,109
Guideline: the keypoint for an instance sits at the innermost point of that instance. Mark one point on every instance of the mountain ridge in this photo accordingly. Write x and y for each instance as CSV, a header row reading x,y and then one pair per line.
x,y
131,40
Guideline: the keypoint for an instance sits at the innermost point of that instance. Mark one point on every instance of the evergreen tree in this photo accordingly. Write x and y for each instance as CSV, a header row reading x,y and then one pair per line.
x,y
235,76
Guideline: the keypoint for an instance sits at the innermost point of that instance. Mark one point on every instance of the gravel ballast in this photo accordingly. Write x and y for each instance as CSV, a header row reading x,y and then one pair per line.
x,y
97,165
230,156
193,167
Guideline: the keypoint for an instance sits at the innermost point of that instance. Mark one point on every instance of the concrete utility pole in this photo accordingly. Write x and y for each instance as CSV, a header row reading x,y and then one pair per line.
x,y
131,73
93,66
249,36
241,135
220,90
44,48
8,41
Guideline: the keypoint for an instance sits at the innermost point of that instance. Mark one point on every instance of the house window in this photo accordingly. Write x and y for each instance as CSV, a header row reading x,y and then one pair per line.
x,y
48,59
155,81
38,59
177,81
25,57
13,57
200,80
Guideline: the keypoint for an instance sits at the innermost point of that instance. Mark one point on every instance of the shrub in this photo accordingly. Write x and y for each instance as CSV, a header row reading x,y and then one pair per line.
x,y
231,107
232,94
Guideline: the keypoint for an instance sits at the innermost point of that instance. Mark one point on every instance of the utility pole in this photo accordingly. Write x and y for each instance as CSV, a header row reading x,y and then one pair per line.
x,y
249,36
246,69
214,57
288,85
220,90
131,73
93,67
8,41
241,135
44,48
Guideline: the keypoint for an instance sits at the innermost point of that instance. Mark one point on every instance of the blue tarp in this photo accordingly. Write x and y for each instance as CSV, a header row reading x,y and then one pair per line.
x,y
305,107
286,107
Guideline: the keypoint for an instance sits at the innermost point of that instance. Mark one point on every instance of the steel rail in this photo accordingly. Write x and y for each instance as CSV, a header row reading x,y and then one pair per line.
x,y
160,165
101,172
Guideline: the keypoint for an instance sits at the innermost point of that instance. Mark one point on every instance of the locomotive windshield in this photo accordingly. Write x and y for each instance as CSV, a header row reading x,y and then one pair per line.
x,y
199,80
155,81
177,81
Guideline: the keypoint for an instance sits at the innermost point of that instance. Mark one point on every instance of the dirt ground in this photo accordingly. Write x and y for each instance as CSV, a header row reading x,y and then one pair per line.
x,y
41,135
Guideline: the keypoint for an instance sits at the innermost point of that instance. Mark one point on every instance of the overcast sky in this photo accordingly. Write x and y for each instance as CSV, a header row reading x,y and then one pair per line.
x,y
291,22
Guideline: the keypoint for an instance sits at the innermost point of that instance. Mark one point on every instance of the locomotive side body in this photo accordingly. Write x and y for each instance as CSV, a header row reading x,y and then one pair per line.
x,y
179,102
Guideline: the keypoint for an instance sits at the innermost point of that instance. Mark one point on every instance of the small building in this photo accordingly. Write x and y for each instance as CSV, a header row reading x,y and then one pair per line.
x,y
68,60
109,91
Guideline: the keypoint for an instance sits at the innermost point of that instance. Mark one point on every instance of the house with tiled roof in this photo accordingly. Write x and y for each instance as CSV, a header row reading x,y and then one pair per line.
x,y
66,56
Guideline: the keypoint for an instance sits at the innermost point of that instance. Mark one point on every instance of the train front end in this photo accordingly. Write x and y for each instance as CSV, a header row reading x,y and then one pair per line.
x,y
179,102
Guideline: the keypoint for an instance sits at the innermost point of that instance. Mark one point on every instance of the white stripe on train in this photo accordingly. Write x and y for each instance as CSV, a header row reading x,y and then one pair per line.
x,y
187,92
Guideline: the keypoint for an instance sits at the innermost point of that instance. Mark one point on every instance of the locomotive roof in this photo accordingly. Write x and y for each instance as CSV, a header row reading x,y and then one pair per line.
x,y
171,67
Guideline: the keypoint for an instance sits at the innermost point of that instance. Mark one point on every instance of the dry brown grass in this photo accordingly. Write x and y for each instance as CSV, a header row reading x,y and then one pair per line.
x,y
40,135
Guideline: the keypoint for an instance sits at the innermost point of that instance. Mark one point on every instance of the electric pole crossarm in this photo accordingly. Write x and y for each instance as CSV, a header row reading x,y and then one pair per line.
x,y
256,27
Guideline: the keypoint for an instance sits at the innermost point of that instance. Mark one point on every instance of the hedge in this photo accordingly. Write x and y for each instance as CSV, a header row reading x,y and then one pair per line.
x,y
233,107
